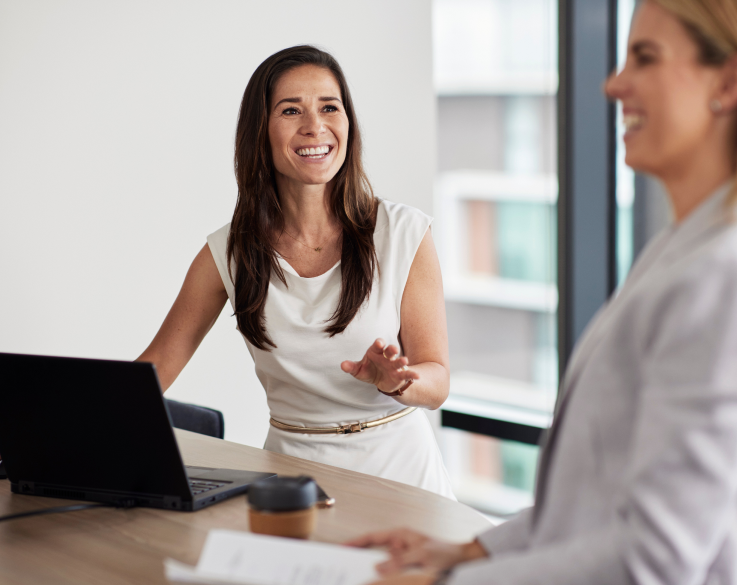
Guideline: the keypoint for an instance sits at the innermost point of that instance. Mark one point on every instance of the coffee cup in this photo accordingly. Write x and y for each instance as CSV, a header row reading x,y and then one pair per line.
x,y
283,506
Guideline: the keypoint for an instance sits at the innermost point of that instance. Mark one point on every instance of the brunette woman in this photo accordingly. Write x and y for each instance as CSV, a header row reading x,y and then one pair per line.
x,y
320,272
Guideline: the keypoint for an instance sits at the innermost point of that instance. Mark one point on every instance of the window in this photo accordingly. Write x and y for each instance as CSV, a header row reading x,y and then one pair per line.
x,y
625,176
496,230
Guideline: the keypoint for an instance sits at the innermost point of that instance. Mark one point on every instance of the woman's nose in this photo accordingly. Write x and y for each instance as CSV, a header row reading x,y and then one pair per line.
x,y
614,85
312,124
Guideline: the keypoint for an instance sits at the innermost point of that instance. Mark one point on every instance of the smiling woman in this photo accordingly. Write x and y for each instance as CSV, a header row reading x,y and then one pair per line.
x,y
319,270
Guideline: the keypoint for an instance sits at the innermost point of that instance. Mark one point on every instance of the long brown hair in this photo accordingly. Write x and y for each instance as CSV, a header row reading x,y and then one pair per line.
x,y
258,216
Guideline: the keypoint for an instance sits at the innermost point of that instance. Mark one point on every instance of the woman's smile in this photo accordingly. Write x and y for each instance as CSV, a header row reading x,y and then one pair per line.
x,y
633,121
314,153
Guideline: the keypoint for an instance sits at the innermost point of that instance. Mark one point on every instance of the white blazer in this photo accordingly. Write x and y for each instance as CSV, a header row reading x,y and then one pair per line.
x,y
638,479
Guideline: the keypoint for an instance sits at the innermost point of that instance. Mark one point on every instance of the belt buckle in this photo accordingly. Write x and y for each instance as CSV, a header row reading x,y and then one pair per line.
x,y
352,428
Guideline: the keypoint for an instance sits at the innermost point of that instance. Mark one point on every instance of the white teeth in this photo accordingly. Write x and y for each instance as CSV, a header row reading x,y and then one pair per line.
x,y
317,151
633,121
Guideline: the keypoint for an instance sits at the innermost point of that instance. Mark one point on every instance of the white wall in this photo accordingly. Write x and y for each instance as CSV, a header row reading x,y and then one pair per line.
x,y
116,127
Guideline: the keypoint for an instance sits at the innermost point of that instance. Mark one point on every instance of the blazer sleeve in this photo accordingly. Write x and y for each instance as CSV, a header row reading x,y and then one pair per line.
x,y
512,535
678,503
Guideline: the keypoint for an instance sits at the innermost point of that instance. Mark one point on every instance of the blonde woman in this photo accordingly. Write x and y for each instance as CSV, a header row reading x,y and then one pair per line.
x,y
638,480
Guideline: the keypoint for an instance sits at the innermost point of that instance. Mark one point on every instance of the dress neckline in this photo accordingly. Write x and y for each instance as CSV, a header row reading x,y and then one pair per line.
x,y
290,269
381,223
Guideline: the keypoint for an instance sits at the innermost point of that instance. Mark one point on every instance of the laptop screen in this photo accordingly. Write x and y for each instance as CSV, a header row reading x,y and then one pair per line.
x,y
93,424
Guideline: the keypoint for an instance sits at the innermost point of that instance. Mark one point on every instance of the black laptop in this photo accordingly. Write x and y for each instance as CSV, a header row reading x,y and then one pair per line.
x,y
98,430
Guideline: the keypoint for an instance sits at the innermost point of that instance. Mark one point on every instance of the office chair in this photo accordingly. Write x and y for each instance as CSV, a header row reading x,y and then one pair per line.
x,y
198,419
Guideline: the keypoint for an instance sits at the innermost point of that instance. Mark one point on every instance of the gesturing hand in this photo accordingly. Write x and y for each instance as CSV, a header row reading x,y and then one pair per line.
x,y
383,367
410,549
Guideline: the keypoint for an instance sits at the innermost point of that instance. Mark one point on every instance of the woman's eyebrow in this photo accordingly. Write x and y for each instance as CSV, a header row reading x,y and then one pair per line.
x,y
291,100
640,46
297,100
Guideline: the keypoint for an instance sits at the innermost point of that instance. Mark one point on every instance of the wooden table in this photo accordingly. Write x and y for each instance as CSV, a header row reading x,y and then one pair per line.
x,y
109,546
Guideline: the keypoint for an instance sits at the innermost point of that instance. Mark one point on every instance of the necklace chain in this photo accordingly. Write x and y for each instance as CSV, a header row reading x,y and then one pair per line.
x,y
318,248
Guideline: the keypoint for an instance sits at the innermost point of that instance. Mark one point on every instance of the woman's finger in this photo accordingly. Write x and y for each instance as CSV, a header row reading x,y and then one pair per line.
x,y
390,352
377,347
350,367
429,554
392,539
401,362
403,374
396,539
383,365
371,539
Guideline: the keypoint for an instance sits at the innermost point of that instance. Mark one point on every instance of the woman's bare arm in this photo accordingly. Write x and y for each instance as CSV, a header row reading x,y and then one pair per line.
x,y
193,314
424,330
423,335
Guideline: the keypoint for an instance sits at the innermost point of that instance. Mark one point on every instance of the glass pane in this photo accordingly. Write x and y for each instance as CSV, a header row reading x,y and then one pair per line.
x,y
495,228
494,476
625,245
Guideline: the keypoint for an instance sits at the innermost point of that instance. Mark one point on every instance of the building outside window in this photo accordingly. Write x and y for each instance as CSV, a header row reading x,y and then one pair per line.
x,y
495,69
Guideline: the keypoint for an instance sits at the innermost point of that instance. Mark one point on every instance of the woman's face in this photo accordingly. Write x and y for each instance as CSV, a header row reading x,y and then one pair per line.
x,y
308,126
665,94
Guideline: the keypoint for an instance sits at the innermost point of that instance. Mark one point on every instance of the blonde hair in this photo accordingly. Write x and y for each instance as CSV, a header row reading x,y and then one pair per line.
x,y
713,26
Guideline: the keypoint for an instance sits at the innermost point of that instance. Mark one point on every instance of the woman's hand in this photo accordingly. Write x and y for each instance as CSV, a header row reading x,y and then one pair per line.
x,y
383,367
422,337
410,549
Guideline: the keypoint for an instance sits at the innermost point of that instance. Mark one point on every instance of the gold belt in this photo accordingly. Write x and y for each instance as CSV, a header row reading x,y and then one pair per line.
x,y
343,429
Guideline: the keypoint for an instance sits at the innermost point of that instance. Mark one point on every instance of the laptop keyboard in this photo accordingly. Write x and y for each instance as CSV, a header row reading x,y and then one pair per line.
x,y
200,486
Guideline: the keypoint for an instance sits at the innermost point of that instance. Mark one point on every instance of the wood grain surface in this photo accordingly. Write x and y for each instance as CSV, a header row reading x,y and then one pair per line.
x,y
109,546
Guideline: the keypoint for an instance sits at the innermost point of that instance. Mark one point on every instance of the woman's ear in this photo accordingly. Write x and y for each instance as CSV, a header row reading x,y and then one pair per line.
x,y
727,95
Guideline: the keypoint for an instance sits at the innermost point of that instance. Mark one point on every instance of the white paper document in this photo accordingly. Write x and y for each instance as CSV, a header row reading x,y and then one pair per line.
x,y
253,559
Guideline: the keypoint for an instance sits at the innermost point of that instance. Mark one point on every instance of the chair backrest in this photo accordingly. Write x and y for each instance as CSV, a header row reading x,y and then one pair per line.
x,y
198,419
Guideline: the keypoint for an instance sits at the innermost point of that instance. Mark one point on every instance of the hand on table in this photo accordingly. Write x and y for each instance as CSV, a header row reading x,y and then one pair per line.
x,y
382,366
410,549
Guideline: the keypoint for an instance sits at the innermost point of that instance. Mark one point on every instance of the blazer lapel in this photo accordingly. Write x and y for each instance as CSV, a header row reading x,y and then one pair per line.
x,y
671,244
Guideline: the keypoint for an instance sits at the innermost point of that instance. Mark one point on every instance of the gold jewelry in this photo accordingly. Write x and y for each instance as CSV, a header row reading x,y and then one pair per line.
x,y
319,248
343,429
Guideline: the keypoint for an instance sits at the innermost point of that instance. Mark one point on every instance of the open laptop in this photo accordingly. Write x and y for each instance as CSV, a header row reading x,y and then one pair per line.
x,y
98,430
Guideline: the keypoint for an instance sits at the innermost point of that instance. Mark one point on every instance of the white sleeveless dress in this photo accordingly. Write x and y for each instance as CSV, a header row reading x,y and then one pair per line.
x,y
302,377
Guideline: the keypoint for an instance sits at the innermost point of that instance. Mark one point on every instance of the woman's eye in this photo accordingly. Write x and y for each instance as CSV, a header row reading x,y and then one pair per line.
x,y
644,59
331,109
290,111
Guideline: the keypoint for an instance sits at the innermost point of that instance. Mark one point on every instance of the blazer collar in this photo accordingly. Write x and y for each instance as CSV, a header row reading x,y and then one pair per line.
x,y
700,223
670,245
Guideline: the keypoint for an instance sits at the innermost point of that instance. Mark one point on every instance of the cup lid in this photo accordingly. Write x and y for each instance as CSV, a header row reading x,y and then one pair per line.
x,y
283,493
